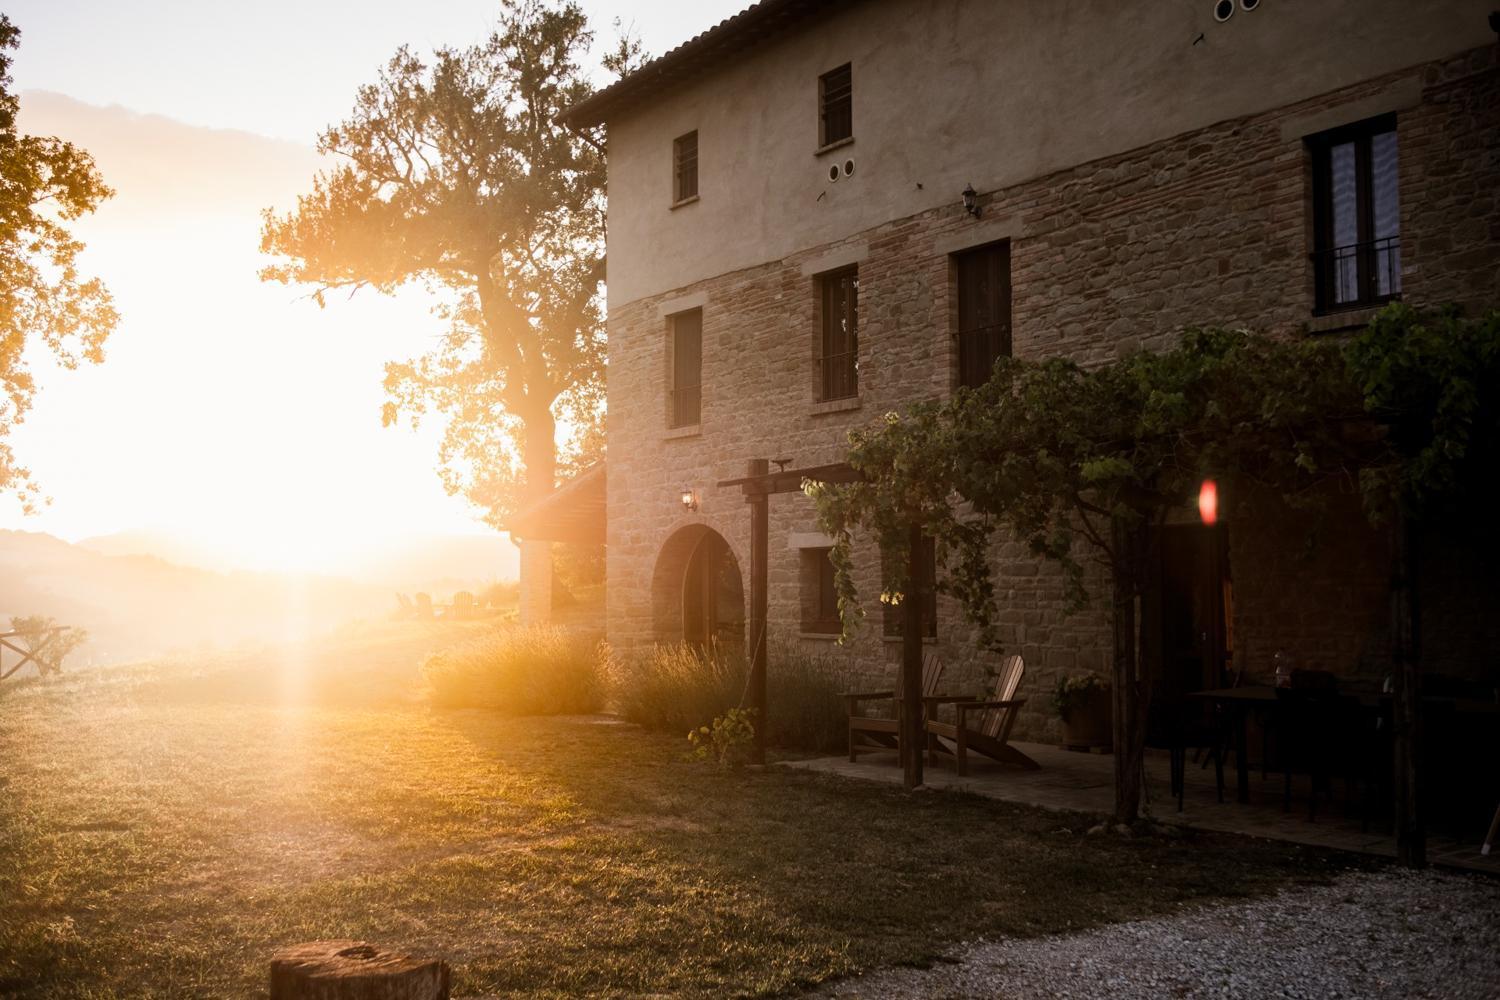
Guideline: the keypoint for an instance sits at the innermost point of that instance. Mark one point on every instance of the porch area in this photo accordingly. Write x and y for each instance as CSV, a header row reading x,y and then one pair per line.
x,y
1084,782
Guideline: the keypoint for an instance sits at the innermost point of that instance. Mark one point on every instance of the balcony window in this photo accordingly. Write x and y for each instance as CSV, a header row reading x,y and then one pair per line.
x,y
1357,215
838,360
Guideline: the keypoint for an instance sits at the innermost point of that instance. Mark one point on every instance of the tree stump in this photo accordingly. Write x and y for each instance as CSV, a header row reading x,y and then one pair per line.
x,y
353,970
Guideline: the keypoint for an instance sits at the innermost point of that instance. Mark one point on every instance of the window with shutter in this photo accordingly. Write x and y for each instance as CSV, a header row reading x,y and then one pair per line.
x,y
983,292
687,368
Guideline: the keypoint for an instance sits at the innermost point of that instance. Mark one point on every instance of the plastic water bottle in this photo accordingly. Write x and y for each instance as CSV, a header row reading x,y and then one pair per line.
x,y
1284,667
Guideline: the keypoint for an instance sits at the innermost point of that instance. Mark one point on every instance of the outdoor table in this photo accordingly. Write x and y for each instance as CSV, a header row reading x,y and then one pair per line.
x,y
1239,701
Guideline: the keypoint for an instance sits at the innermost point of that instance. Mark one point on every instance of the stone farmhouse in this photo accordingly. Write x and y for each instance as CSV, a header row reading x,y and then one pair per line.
x,y
824,210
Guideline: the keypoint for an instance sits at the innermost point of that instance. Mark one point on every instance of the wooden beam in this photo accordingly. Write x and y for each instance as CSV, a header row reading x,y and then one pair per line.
x,y
790,480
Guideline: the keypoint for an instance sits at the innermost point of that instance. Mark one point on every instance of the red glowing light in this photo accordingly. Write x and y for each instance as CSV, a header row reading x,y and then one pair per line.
x,y
1208,501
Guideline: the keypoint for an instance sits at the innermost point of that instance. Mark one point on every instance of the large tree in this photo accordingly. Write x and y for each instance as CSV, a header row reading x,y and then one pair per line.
x,y
45,183
456,176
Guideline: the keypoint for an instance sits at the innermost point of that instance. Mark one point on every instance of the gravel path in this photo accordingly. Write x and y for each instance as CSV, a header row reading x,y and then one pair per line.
x,y
1371,935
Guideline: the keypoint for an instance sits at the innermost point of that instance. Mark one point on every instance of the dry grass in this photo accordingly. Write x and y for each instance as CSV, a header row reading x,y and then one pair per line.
x,y
538,670
164,829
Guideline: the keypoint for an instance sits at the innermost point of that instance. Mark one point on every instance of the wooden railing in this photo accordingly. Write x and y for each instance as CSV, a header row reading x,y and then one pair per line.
x,y
38,640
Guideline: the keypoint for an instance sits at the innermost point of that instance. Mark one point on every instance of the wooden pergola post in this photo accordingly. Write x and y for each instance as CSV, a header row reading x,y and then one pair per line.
x,y
758,485
1411,833
912,709
760,529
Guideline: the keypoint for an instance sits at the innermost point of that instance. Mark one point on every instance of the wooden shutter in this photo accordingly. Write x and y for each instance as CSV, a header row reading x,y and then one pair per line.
x,y
983,312
687,368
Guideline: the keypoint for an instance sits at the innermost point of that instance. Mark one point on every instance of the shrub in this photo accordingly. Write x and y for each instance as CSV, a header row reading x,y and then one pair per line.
x,y
530,671
728,742
677,688
805,700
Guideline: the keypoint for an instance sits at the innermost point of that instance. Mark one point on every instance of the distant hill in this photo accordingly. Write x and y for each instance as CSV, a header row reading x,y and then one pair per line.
x,y
437,564
137,606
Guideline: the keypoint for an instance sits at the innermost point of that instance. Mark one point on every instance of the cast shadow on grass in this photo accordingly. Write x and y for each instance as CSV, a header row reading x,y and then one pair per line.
x,y
763,882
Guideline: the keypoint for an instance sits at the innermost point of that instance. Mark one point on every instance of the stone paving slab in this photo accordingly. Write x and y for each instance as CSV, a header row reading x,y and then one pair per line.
x,y
1084,782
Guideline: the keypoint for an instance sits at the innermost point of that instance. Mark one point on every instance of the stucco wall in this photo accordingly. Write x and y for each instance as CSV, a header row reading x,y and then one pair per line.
x,y
1208,227
950,92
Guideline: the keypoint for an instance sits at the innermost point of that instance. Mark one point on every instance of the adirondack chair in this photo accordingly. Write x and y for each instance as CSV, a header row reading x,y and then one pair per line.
x,y
981,726
870,733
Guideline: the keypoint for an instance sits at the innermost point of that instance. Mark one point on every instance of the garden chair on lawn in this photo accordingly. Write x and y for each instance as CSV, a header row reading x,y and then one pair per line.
x,y
982,726
868,732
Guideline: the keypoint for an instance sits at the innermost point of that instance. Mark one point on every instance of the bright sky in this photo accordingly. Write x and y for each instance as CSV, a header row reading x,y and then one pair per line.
x,y
234,414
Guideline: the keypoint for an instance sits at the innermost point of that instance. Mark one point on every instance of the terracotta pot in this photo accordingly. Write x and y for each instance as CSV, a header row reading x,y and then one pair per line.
x,y
1090,721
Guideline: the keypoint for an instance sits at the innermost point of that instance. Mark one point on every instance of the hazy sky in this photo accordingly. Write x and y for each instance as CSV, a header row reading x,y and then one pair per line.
x,y
235,414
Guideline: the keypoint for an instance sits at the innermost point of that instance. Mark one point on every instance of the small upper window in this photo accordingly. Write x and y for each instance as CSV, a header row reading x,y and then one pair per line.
x,y
1357,215
685,167
835,106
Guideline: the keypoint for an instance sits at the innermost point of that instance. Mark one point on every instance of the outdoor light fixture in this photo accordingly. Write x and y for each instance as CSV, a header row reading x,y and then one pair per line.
x,y
971,201
1208,501
689,499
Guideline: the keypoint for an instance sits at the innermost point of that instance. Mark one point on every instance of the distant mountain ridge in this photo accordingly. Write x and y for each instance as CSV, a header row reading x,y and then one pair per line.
x,y
138,604
434,563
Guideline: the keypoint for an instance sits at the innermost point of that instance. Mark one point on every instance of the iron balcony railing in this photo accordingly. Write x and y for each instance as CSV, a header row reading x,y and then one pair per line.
x,y
978,349
1359,274
839,376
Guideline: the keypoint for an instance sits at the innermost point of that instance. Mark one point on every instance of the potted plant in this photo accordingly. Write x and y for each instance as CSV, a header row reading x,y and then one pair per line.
x,y
1084,704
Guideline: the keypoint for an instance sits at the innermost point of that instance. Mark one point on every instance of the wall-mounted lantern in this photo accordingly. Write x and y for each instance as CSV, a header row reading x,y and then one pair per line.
x,y
971,201
689,499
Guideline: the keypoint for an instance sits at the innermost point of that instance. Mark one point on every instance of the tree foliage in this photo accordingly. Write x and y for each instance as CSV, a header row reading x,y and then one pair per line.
x,y
457,177
1088,463
45,183
1056,455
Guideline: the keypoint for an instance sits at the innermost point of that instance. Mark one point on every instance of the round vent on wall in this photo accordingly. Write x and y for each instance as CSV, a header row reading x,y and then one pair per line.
x,y
1249,5
1223,10
848,168
833,173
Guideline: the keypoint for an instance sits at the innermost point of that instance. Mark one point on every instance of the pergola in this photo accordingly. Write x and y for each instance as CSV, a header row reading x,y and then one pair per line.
x,y
759,484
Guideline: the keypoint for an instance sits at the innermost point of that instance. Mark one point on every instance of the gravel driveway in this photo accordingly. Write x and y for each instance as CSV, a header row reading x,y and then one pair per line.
x,y
1389,934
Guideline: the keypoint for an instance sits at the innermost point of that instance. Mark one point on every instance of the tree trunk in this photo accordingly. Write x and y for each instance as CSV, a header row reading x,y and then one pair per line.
x,y
352,970
1130,689
538,453
539,478
1411,834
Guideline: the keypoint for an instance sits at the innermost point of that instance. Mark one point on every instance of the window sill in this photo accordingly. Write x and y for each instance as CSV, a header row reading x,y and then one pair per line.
x,y
685,431
840,144
927,640
818,636
683,203
1347,319
835,406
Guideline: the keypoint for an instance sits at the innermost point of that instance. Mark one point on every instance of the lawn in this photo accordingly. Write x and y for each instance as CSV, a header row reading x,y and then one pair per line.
x,y
166,827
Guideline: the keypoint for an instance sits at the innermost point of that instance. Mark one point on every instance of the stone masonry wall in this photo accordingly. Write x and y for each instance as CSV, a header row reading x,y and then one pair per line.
x,y
1213,227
